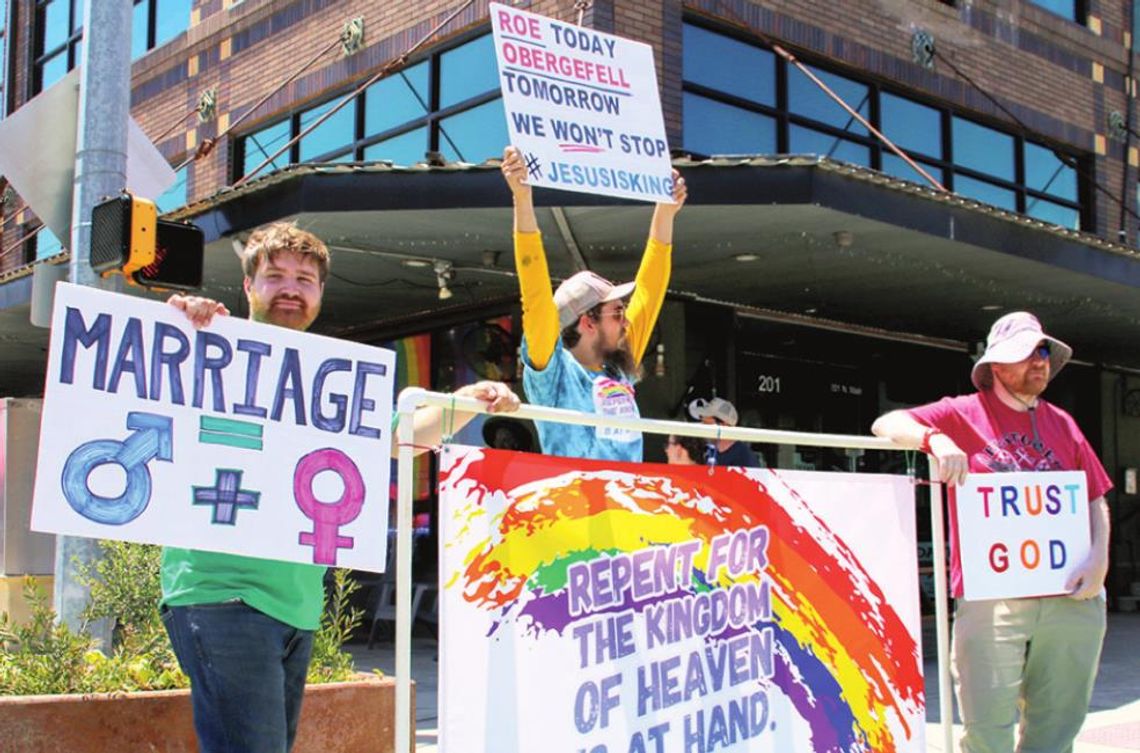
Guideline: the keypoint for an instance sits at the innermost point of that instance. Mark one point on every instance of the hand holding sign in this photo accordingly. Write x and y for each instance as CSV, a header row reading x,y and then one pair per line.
x,y
200,311
514,171
1087,580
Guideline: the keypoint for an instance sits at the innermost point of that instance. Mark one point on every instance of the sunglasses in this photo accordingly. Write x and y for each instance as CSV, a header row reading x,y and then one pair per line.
x,y
1042,351
617,313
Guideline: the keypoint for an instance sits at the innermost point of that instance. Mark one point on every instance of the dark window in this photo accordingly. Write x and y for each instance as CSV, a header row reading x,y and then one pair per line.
x,y
803,140
406,149
449,103
480,130
1058,214
260,146
175,196
335,134
712,127
1046,173
156,22
910,125
467,71
398,99
806,98
896,166
982,149
985,192
45,244
59,33
729,66
783,109
1070,9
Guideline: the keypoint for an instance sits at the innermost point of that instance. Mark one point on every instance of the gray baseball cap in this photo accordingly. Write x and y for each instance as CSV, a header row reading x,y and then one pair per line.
x,y
717,408
581,292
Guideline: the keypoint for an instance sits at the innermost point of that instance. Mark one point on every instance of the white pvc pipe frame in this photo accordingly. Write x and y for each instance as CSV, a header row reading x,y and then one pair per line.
x,y
415,397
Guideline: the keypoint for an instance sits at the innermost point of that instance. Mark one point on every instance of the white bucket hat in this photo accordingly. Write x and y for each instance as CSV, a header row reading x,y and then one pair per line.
x,y
1012,339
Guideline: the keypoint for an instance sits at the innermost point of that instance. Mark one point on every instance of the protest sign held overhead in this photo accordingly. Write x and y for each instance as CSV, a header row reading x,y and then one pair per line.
x,y
639,608
582,107
241,437
1021,534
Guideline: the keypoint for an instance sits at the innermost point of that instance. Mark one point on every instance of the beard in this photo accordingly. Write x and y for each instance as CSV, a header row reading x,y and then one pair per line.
x,y
299,317
619,360
1030,383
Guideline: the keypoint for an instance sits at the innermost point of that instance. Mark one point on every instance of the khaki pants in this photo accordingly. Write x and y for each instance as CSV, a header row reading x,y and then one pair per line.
x,y
1034,656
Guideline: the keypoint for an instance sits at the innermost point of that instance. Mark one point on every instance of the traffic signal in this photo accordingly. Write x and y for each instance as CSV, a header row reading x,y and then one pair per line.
x,y
177,262
127,237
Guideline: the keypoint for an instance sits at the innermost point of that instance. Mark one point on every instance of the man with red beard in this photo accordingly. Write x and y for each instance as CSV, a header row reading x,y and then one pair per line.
x,y
582,345
1037,656
242,627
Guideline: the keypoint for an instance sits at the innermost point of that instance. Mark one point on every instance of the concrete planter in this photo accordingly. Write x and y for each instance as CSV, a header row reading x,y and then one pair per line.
x,y
343,717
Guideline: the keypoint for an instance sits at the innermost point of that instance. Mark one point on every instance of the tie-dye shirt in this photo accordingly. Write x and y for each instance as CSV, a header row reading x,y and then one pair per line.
x,y
553,377
565,383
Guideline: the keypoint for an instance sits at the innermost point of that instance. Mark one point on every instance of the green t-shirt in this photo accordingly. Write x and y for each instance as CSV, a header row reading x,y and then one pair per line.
x,y
287,591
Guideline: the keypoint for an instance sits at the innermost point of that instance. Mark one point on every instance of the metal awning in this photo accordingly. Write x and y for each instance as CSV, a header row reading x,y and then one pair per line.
x,y
828,241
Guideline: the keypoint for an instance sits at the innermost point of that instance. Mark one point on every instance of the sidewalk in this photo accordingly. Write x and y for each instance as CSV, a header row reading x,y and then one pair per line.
x,y
1113,724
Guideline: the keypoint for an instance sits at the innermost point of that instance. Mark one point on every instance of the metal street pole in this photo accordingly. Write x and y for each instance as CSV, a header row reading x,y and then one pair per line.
x,y
100,171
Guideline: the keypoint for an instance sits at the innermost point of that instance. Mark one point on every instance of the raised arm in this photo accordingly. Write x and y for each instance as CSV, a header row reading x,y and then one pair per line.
x,y
540,314
653,274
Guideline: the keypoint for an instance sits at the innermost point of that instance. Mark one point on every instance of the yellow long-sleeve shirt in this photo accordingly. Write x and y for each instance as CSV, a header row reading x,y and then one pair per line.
x,y
540,314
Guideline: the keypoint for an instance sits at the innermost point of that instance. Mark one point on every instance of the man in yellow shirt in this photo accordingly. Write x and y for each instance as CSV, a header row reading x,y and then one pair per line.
x,y
582,344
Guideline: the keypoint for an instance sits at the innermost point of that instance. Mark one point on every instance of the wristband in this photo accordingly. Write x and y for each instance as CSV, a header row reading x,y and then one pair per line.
x,y
927,435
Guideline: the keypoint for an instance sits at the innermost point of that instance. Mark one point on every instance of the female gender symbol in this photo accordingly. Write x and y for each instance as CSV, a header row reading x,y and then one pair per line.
x,y
328,517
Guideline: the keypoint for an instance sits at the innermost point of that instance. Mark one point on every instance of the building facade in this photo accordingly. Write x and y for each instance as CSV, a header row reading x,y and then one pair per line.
x,y
815,290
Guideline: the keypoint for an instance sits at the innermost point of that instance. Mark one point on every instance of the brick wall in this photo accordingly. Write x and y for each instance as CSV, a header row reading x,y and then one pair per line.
x,y
1060,78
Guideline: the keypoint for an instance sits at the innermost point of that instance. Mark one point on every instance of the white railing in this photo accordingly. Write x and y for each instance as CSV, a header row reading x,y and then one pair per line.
x,y
415,397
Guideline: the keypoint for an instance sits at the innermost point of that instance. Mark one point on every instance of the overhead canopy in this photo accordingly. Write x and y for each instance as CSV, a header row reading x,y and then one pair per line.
x,y
831,243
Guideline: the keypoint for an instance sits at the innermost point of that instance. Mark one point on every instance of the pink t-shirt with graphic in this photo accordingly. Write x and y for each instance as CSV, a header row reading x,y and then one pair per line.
x,y
997,439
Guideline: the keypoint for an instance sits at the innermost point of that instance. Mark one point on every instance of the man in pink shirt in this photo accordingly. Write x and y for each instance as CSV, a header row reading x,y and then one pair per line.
x,y
1034,658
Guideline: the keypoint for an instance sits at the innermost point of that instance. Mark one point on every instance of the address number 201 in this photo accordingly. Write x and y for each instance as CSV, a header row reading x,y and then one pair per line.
x,y
770,384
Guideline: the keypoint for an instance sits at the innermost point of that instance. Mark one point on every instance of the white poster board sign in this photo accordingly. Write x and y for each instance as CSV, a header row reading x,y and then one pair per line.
x,y
1021,534
240,437
639,608
582,106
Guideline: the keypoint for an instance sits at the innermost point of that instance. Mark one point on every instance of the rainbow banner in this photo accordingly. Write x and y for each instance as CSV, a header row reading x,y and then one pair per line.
x,y
413,369
601,607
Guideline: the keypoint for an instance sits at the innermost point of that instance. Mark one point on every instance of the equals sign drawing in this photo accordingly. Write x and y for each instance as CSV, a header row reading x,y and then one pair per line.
x,y
225,431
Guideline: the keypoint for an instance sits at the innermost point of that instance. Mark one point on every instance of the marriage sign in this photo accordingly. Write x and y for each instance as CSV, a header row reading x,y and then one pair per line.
x,y
240,437
639,608
582,107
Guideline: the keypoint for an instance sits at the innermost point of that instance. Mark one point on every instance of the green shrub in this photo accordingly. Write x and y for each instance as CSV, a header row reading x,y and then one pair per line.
x,y
330,662
42,657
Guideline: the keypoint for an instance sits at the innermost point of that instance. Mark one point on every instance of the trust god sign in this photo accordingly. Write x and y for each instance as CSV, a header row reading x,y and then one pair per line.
x,y
242,437
1021,534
